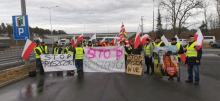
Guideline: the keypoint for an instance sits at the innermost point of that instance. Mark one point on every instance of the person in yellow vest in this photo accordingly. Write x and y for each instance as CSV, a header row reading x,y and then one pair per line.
x,y
69,50
157,67
179,51
55,48
178,46
79,55
193,61
148,53
44,48
38,51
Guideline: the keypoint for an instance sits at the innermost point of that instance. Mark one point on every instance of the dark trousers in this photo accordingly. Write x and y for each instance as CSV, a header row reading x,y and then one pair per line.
x,y
79,65
149,64
39,66
195,69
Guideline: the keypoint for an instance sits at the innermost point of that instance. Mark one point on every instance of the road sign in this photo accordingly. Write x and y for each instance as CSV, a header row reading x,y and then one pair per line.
x,y
20,27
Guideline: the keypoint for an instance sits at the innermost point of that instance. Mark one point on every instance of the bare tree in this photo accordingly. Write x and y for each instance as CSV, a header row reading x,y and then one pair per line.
x,y
179,11
218,11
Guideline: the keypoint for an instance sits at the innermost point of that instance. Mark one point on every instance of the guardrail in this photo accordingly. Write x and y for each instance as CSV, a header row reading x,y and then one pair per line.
x,y
12,57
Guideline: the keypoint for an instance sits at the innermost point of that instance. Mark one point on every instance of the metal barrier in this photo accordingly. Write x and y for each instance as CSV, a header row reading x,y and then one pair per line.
x,y
12,57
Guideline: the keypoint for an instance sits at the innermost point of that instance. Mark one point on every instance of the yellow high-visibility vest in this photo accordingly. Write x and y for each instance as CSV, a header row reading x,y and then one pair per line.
x,y
69,51
37,55
191,51
55,51
178,45
147,50
45,49
158,44
79,53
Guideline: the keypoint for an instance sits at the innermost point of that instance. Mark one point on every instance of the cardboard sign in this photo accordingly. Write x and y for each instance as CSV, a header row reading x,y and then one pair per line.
x,y
134,64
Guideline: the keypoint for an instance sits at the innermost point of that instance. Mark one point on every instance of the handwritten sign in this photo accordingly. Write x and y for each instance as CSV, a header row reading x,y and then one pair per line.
x,y
60,62
104,59
135,63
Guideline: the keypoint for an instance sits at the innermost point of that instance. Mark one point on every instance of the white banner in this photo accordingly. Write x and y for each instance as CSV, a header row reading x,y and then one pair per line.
x,y
60,62
104,59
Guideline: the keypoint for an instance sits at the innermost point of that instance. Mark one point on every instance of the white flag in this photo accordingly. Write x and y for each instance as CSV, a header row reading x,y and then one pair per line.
x,y
164,39
177,38
93,37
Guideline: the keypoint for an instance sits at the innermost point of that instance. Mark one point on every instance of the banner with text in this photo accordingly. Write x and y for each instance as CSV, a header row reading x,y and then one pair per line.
x,y
104,59
60,62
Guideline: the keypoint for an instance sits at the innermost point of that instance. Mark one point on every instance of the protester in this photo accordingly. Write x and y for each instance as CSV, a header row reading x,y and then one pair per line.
x,y
55,48
157,67
90,44
38,51
148,49
179,51
178,46
44,48
79,54
193,60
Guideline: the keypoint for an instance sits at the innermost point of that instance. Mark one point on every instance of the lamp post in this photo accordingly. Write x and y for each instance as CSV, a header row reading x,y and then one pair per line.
x,y
142,25
50,15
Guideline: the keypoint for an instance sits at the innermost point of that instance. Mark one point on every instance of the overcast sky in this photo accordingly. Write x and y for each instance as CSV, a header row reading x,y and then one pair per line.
x,y
78,16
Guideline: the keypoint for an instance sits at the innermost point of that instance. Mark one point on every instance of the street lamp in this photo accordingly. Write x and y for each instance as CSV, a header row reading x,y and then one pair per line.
x,y
142,25
50,14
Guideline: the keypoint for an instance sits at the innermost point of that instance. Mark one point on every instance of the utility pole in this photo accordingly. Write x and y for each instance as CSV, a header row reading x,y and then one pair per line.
x,y
142,25
23,7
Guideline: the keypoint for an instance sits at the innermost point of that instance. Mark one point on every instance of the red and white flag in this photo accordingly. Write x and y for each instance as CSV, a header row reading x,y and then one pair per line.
x,y
122,34
79,39
28,49
143,38
199,39
137,40
73,42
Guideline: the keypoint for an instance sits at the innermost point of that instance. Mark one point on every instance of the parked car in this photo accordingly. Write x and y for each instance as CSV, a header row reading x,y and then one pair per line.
x,y
63,41
216,45
209,40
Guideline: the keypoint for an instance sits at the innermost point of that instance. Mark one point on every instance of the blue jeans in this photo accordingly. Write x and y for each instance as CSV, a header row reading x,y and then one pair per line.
x,y
79,65
195,69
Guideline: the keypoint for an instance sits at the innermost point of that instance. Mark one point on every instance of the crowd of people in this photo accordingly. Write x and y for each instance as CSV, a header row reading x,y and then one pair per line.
x,y
192,52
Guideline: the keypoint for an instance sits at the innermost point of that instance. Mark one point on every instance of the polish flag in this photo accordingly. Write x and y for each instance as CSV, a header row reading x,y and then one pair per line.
x,y
73,42
79,38
143,38
199,39
28,48
122,34
137,40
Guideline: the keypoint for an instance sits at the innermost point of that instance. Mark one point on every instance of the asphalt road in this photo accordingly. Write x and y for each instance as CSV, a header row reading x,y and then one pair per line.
x,y
118,87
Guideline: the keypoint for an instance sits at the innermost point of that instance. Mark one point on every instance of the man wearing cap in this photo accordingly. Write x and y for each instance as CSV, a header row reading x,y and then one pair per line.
x,y
148,50
194,56
38,51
